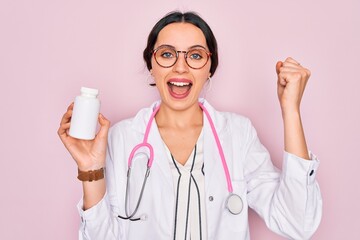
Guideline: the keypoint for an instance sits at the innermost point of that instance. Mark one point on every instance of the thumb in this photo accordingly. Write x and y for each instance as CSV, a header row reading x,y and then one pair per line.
x,y
104,126
279,64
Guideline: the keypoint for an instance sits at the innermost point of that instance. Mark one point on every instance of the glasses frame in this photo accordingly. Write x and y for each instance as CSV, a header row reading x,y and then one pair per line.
x,y
208,55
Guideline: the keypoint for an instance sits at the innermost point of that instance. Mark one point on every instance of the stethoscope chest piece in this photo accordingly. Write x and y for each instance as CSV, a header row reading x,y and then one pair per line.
x,y
234,204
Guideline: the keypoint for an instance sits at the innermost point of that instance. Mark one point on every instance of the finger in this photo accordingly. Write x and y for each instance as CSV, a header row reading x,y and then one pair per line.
x,y
282,82
290,69
279,64
104,126
292,64
293,77
71,106
291,60
66,117
296,72
63,129
283,78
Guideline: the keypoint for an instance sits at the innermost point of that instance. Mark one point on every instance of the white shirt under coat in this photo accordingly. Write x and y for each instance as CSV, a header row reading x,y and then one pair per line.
x,y
189,185
289,201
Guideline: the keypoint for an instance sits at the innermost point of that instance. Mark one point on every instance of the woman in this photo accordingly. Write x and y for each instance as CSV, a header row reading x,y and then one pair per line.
x,y
208,166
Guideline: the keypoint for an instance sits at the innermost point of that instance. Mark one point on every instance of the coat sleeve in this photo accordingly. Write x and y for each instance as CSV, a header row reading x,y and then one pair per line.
x,y
101,221
289,201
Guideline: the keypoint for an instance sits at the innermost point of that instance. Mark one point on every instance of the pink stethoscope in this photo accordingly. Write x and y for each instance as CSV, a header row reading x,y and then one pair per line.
x,y
233,202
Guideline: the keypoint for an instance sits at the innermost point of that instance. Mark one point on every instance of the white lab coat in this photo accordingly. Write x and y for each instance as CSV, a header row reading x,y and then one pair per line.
x,y
289,202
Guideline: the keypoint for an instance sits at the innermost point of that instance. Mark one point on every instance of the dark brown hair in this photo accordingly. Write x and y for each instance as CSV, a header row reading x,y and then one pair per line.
x,y
187,17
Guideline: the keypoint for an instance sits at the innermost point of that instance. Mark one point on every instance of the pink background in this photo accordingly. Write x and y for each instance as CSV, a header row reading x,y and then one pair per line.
x,y
49,49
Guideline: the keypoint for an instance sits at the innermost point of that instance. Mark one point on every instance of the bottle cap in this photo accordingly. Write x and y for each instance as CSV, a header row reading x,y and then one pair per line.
x,y
89,91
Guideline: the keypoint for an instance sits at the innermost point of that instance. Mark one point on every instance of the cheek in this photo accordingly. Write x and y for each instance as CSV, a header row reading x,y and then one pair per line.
x,y
207,69
206,72
159,73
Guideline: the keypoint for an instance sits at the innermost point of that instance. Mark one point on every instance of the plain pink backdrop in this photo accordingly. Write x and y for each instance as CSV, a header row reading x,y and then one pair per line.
x,y
49,49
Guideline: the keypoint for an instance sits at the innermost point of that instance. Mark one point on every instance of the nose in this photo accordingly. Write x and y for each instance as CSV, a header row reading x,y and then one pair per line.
x,y
181,65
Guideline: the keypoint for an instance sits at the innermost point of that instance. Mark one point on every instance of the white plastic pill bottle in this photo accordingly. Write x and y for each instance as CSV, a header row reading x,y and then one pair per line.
x,y
85,114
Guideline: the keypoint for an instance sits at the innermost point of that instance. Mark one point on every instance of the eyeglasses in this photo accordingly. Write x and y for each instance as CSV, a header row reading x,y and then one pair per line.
x,y
166,56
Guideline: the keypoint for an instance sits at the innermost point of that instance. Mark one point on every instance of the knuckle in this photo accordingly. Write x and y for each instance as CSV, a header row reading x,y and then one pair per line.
x,y
59,132
297,75
303,74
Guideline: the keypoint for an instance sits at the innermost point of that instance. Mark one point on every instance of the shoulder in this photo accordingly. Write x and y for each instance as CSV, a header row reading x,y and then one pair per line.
x,y
238,126
236,119
230,120
234,125
121,125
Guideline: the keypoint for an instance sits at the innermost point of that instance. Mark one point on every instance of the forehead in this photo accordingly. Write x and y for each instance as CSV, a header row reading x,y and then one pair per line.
x,y
181,36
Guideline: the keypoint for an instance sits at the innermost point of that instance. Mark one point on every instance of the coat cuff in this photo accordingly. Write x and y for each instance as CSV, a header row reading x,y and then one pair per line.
x,y
297,167
99,212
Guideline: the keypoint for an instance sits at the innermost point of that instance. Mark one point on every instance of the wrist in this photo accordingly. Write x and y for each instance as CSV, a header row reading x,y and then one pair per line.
x,y
90,165
91,175
290,112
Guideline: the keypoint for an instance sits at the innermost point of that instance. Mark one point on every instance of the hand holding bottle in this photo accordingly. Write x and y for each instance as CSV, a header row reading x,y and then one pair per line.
x,y
88,154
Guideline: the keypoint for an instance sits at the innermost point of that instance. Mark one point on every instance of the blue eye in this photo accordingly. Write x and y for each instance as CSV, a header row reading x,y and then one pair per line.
x,y
196,56
167,55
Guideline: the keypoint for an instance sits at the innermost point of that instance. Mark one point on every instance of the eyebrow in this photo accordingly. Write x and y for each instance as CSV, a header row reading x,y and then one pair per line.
x,y
191,47
195,46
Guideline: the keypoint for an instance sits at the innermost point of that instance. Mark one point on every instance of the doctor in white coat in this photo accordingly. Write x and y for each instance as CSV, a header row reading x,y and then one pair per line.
x,y
207,168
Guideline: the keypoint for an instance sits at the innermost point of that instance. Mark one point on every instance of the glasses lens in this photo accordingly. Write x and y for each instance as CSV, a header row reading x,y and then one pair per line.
x,y
165,56
197,58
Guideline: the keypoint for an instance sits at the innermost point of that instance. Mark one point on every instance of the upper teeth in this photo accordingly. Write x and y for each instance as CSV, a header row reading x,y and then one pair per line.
x,y
180,84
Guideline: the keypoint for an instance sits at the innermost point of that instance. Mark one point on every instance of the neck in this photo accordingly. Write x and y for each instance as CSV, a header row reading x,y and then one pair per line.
x,y
190,117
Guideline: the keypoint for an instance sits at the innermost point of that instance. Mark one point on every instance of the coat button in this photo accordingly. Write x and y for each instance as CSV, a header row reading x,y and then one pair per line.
x,y
211,198
311,172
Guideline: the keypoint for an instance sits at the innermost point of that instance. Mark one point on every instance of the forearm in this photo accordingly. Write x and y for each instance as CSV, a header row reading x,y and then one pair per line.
x,y
93,192
294,137
97,218
296,207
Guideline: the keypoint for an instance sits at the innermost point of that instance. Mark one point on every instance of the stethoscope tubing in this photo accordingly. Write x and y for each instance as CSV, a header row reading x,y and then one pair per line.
x,y
129,216
145,144
220,149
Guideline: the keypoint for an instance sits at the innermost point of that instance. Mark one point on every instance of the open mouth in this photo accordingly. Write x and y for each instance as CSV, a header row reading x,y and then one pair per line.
x,y
179,89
